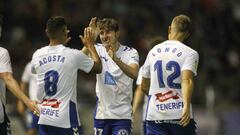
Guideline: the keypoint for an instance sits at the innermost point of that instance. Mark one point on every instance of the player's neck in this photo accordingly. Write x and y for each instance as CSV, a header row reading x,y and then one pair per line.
x,y
177,36
54,42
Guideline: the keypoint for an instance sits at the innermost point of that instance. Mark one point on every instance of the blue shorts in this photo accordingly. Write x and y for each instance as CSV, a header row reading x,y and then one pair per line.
x,y
170,127
144,128
5,125
32,120
112,127
51,130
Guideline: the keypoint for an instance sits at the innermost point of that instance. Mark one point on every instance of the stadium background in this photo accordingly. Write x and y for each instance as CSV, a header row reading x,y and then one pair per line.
x,y
215,35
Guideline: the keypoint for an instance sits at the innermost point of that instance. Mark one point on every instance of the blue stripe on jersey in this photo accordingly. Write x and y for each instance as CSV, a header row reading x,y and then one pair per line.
x,y
73,115
149,97
95,111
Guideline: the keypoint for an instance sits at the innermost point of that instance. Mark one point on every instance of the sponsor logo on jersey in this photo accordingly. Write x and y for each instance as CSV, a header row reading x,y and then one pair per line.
x,y
51,102
169,106
50,107
161,97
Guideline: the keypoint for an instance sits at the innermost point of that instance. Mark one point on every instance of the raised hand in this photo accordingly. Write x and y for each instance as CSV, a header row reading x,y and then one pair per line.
x,y
112,54
88,39
95,28
67,39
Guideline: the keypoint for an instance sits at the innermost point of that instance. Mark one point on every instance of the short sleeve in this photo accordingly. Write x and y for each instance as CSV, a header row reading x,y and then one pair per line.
x,y
5,63
34,63
146,67
26,76
139,78
83,62
134,57
191,63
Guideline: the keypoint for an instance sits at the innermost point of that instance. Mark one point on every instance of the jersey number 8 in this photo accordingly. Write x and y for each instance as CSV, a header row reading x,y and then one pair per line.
x,y
51,80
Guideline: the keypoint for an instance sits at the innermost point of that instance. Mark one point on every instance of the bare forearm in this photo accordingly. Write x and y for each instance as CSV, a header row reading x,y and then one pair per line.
x,y
85,50
14,87
127,69
94,55
138,97
187,89
145,85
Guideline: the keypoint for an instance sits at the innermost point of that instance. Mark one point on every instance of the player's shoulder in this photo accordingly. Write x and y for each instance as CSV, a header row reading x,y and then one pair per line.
x,y
3,50
29,64
189,49
40,51
125,48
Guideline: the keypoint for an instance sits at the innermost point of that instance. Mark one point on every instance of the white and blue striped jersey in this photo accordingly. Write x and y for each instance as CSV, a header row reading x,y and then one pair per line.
x,y
114,88
5,66
56,69
163,66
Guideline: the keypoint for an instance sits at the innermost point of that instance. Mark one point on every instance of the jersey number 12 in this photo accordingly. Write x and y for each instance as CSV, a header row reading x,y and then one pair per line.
x,y
170,66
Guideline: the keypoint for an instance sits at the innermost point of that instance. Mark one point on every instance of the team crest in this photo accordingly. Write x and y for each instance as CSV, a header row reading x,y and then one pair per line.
x,y
123,132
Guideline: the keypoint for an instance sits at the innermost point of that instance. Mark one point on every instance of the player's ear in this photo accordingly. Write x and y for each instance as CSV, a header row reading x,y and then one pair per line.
x,y
118,34
46,31
169,29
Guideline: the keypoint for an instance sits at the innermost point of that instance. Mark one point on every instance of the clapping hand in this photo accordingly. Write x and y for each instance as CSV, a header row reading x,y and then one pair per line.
x,y
89,37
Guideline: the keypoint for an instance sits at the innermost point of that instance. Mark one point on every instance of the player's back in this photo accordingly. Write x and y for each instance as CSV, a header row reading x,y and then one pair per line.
x,y
166,61
56,68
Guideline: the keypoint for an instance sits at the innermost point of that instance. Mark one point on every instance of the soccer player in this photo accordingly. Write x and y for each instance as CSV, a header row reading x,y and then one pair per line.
x,y
29,79
6,78
56,69
168,80
114,84
139,95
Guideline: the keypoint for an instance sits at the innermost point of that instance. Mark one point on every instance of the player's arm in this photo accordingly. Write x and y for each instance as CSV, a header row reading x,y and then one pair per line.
x,y
130,70
85,51
88,40
138,98
187,90
145,85
93,26
20,104
13,86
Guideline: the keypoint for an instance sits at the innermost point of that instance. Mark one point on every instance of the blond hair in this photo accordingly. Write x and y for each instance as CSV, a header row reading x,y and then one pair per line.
x,y
181,23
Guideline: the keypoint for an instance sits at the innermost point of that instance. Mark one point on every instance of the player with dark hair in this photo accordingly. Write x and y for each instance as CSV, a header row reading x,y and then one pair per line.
x,y
56,69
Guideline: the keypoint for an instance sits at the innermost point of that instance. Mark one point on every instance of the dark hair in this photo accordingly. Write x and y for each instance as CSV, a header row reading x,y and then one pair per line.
x,y
183,23
55,26
108,24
